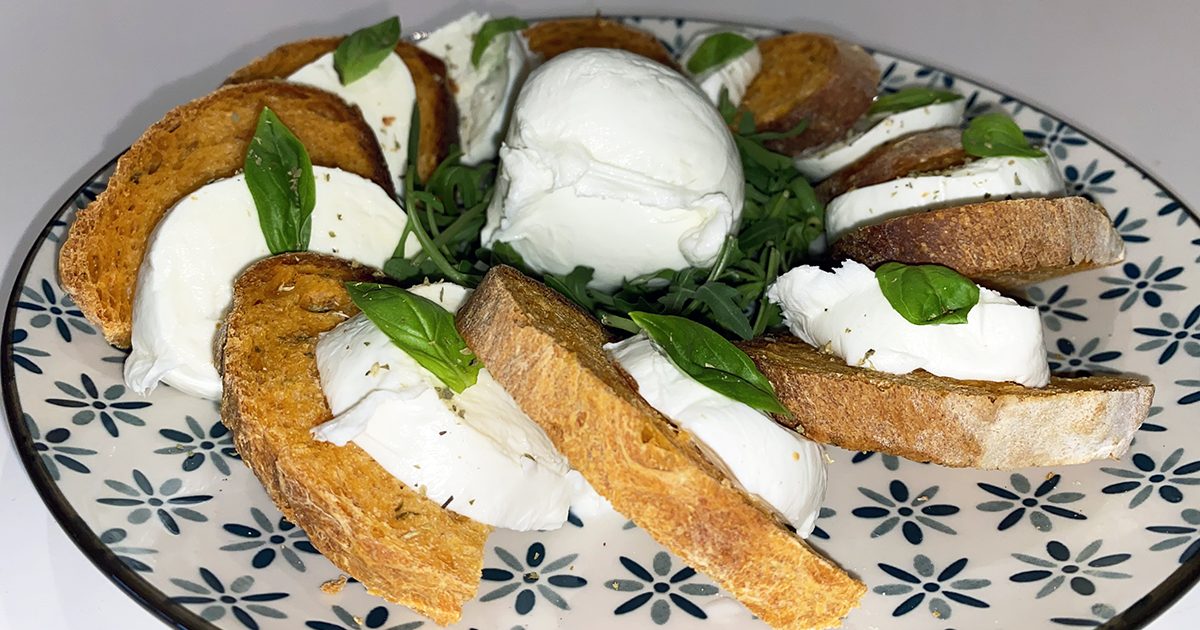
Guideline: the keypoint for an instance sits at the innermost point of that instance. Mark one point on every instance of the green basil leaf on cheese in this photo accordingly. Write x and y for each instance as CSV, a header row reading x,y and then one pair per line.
x,y
911,98
710,359
927,294
279,175
996,135
489,31
716,50
421,328
363,50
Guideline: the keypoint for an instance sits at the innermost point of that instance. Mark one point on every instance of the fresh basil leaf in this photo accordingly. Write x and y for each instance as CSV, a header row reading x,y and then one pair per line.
x,y
710,359
363,50
717,50
911,98
489,31
279,175
421,328
927,294
996,135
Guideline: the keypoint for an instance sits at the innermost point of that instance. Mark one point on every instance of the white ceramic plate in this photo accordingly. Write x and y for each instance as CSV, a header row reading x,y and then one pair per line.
x,y
152,491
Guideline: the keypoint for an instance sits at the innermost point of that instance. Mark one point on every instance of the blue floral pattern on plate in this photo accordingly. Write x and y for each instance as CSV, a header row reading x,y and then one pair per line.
x,y
156,481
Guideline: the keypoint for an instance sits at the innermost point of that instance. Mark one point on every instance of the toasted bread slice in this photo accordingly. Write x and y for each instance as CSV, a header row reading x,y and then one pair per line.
x,y
555,37
808,76
399,544
927,418
548,354
191,146
1005,245
435,102
921,152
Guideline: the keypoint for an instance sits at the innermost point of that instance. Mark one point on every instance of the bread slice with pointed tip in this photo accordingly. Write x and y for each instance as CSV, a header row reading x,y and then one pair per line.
x,y
551,38
548,354
401,545
927,418
435,102
191,146
1005,245
809,76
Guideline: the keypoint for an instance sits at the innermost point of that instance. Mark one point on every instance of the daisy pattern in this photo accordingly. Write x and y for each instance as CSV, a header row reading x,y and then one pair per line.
x,y
235,599
1148,284
925,582
661,589
1021,499
1078,571
532,577
1146,477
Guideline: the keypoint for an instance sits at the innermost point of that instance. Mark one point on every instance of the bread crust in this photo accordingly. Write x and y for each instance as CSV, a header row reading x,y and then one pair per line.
x,y
814,77
926,418
551,38
548,354
192,145
921,152
401,545
1005,245
435,99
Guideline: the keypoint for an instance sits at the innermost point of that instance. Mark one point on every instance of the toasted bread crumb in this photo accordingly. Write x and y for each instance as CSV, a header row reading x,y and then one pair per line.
x,y
334,586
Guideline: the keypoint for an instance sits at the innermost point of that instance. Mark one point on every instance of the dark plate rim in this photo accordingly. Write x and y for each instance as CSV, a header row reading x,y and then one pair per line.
x,y
158,603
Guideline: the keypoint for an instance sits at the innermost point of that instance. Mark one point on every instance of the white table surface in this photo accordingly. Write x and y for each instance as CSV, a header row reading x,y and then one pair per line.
x,y
82,79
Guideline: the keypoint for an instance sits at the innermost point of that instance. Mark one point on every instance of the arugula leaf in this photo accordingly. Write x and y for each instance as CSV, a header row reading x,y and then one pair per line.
x,y
421,328
363,50
574,286
279,175
927,294
911,98
506,254
710,359
763,136
996,135
404,270
489,31
716,50
447,230
721,300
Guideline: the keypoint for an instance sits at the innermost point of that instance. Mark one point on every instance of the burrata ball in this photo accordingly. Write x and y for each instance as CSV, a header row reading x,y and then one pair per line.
x,y
618,163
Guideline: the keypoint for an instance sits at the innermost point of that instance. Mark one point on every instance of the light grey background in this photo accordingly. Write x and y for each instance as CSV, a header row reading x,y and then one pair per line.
x,y
80,80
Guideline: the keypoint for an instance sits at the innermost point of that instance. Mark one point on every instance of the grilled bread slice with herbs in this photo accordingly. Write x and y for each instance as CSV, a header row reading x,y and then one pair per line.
x,y
548,354
810,77
1005,244
921,152
435,101
401,545
927,418
191,146
554,37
